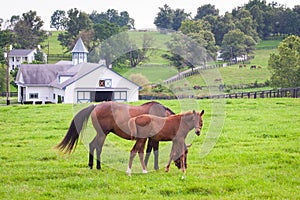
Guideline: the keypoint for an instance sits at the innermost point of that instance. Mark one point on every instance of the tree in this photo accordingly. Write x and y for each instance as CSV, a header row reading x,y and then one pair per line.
x,y
39,57
5,40
206,10
164,18
5,36
58,20
199,30
76,22
138,55
113,50
28,31
236,44
178,17
105,30
168,18
2,77
285,64
220,26
185,51
112,16
243,21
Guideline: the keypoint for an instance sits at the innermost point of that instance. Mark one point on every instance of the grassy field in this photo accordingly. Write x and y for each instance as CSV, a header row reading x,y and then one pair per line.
x,y
256,156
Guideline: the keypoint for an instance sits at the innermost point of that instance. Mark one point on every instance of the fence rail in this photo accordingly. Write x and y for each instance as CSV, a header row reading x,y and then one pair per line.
x,y
275,93
11,94
197,70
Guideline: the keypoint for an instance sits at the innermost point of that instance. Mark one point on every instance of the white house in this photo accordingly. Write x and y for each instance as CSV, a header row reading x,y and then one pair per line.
x,y
17,56
75,81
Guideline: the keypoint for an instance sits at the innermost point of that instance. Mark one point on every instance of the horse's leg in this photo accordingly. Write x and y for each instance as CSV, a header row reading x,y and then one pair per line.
x,y
141,154
170,160
168,164
92,146
100,141
148,151
152,145
183,163
132,155
183,158
155,152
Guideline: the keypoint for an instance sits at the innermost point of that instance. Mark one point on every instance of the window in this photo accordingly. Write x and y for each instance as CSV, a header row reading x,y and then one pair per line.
x,y
120,96
105,83
86,96
101,83
53,96
33,95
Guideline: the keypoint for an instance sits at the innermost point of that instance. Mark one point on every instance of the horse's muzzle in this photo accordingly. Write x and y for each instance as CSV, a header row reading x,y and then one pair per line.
x,y
197,132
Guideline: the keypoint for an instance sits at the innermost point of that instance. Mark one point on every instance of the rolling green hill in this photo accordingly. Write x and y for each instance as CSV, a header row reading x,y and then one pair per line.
x,y
157,69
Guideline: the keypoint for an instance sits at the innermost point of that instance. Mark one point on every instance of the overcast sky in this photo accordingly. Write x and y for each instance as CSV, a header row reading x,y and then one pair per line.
x,y
142,11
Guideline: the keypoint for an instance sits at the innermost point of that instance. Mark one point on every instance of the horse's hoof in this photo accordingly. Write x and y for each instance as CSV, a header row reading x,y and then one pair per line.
x,y
128,171
98,167
167,170
91,166
145,172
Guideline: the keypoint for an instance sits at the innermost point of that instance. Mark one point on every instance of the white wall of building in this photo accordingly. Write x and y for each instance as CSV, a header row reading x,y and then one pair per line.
x,y
90,82
16,61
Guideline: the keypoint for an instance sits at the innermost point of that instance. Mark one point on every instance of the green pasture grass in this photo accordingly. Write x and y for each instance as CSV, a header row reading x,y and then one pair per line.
x,y
256,156
268,44
159,40
261,57
54,44
154,73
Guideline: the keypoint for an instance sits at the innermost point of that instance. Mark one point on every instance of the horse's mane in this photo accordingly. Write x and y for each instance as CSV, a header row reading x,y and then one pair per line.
x,y
183,113
155,102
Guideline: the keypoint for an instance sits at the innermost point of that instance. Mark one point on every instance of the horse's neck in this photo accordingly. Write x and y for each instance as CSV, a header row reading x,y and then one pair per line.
x,y
187,123
189,120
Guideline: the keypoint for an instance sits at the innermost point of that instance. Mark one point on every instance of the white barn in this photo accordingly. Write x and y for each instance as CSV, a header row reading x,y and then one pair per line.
x,y
75,81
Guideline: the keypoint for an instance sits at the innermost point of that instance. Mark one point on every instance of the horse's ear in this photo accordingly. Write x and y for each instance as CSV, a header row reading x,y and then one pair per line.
x,y
202,112
194,112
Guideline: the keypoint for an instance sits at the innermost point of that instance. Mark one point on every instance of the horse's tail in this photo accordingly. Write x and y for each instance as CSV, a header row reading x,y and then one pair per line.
x,y
71,138
132,128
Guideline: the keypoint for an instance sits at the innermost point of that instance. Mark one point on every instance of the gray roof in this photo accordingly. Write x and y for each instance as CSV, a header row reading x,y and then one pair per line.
x,y
20,52
64,62
47,74
40,74
77,72
79,47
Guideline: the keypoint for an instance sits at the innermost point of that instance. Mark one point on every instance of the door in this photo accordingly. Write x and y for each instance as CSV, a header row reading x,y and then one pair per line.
x,y
103,96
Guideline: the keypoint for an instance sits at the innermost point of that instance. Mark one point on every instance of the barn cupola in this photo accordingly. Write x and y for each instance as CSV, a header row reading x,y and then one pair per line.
x,y
79,53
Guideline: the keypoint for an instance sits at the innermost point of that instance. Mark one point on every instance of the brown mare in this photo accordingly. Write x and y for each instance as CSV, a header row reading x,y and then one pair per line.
x,y
110,117
172,128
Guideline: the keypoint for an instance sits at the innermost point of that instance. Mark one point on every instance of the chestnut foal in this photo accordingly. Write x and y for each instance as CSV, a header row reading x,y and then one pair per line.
x,y
172,128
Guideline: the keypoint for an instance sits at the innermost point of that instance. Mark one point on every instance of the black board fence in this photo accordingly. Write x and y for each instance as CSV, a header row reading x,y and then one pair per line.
x,y
11,94
274,93
197,70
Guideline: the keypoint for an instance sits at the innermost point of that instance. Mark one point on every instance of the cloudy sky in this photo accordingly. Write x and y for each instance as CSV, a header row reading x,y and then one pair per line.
x,y
143,11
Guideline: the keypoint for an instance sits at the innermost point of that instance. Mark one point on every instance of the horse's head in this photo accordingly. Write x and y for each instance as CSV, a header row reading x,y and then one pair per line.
x,y
198,122
177,161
